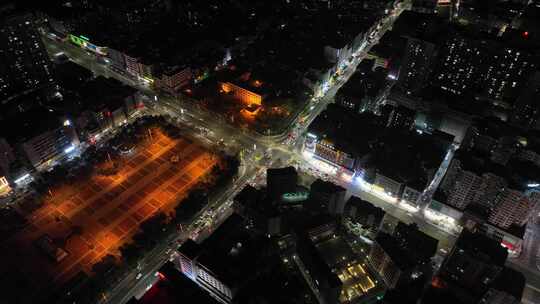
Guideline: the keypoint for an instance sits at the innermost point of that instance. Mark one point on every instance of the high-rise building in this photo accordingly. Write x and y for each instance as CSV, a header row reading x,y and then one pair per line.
x,y
280,181
187,263
327,197
506,72
460,65
512,207
489,188
526,109
44,139
464,189
24,64
401,117
417,64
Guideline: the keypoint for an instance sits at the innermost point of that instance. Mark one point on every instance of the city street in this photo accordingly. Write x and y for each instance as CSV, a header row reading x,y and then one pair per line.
x,y
204,125
205,128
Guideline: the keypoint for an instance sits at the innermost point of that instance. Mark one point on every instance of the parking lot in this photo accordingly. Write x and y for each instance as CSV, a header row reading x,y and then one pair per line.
x,y
93,218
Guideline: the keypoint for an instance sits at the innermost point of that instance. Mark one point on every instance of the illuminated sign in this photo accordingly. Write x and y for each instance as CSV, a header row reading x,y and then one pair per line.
x,y
295,196
22,178
67,123
69,149
84,42
77,40
148,79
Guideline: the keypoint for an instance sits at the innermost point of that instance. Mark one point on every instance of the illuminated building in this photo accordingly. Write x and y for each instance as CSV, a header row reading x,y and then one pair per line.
x,y
246,96
24,63
417,64
510,238
132,65
399,117
174,79
223,262
43,138
459,69
46,149
117,61
326,150
512,207
411,194
334,270
506,73
190,267
464,189
489,188
250,113
482,66
85,43
392,185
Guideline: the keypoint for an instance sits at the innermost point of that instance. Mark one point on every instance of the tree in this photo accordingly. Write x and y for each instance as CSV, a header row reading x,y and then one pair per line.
x,y
131,253
155,226
105,265
194,202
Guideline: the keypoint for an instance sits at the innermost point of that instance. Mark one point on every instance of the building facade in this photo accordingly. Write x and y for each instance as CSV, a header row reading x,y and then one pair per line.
x,y
245,96
50,147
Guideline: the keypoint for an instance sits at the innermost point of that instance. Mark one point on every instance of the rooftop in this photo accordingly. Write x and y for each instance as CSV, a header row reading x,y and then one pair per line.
x,y
25,125
482,246
399,154
364,208
408,247
104,93
231,253
511,282
322,186
174,287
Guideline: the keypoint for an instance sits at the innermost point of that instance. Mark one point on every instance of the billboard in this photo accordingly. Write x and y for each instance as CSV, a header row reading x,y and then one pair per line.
x,y
84,42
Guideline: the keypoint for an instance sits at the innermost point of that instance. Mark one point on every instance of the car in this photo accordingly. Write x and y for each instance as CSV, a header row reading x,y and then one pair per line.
x,y
139,275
